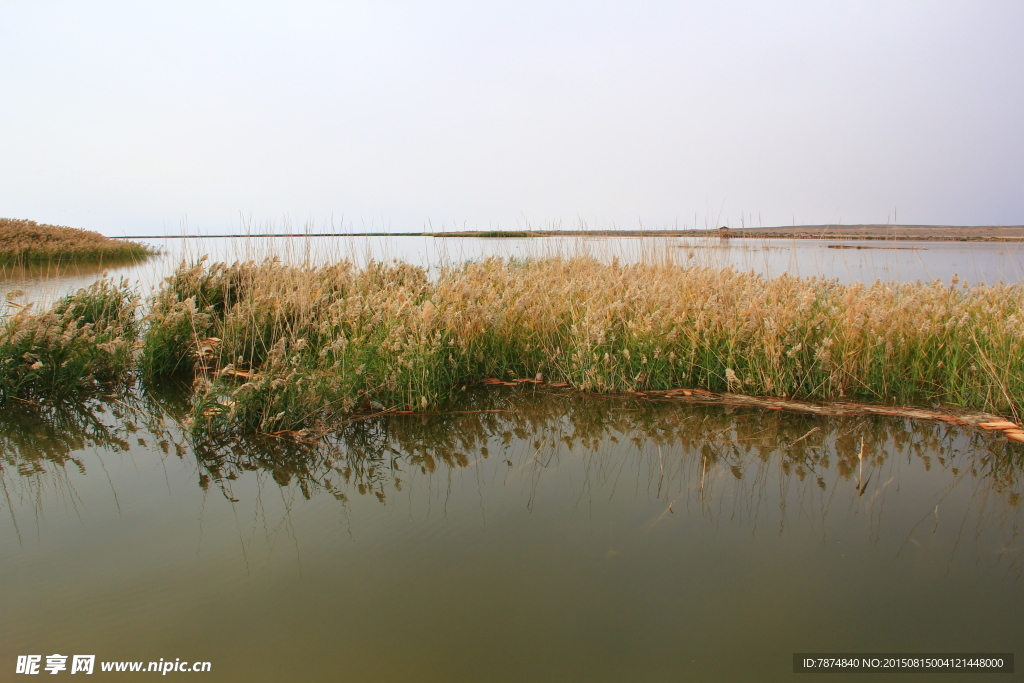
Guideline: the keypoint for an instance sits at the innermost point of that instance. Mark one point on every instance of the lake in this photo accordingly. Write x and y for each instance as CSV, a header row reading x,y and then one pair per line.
x,y
521,534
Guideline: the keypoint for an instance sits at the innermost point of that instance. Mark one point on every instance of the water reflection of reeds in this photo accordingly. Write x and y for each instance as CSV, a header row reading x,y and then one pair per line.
x,y
717,461
51,271
42,443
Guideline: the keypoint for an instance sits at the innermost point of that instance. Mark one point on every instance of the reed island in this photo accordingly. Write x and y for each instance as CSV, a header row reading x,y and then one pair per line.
x,y
25,242
274,348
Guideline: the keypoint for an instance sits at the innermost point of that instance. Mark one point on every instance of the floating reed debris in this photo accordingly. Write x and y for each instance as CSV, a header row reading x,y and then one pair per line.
x,y
1001,424
299,346
24,242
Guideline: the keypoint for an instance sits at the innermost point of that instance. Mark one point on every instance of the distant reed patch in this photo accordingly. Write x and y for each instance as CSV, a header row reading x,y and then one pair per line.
x,y
485,233
25,242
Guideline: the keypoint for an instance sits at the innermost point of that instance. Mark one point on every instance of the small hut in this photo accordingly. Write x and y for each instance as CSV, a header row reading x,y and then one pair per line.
x,y
724,232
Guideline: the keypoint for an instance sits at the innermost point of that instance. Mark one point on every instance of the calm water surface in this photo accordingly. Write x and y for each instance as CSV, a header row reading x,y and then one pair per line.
x,y
847,261
552,538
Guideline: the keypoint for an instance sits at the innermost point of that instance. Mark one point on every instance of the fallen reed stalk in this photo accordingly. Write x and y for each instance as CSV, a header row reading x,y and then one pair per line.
x,y
314,342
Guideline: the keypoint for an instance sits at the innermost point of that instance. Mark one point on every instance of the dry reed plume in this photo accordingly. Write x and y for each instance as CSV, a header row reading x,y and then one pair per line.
x,y
23,242
297,346
84,338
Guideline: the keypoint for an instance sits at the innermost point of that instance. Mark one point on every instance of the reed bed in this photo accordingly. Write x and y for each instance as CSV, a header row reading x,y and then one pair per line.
x,y
85,338
24,242
282,347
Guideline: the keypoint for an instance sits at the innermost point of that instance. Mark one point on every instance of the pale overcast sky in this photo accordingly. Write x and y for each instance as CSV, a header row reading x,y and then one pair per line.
x,y
128,117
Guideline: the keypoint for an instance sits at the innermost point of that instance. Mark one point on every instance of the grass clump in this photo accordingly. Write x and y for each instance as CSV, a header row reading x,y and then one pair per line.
x,y
24,242
298,346
84,338
311,342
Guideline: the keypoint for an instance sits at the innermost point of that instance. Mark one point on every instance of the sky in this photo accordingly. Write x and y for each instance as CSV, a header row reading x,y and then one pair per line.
x,y
152,118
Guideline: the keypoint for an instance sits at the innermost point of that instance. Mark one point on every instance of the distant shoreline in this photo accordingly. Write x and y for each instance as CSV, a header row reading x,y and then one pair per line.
x,y
917,233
